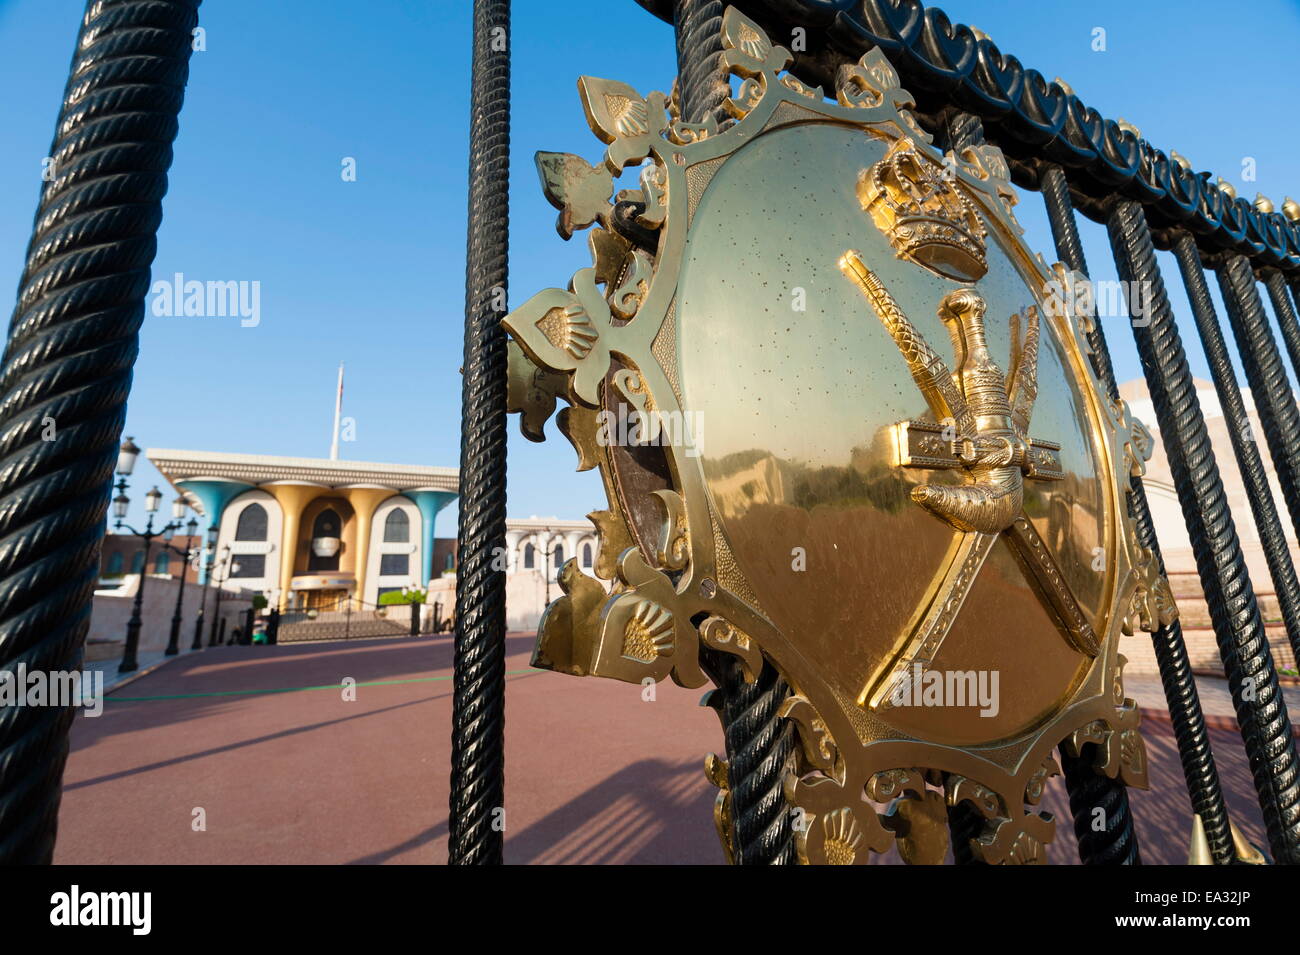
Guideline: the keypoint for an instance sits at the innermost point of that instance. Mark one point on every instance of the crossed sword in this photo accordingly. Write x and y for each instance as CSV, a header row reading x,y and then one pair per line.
x,y
980,425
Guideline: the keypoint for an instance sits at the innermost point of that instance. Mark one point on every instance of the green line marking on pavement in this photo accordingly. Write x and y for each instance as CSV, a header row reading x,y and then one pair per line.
x,y
291,689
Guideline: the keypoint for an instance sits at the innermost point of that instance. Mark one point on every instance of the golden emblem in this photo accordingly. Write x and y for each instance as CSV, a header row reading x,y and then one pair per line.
x,y
934,552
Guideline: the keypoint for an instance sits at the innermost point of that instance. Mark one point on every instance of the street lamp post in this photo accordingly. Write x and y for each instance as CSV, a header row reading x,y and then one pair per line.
x,y
191,526
229,568
126,459
203,598
548,563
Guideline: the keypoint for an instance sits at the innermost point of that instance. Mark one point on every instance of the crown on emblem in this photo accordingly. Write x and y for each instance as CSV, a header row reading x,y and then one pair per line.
x,y
924,215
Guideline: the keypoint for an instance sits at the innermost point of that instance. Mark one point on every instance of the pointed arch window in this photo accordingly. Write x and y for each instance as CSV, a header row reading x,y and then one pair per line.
x,y
397,527
252,524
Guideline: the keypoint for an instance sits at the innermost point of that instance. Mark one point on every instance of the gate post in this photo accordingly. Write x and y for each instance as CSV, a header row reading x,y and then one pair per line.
x,y
478,701
72,343
760,744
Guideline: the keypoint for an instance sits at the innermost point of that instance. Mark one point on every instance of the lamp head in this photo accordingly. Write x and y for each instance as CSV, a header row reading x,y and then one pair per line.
x,y
126,456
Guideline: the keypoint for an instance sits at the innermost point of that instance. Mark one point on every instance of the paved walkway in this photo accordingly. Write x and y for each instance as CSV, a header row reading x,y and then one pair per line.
x,y
1216,699
286,770
147,663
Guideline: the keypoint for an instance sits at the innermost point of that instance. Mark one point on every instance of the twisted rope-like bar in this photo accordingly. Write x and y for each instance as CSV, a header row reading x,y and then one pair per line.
x,y
702,84
1114,844
1185,713
760,748
478,697
1274,401
760,744
965,823
73,340
1234,612
1253,474
1285,311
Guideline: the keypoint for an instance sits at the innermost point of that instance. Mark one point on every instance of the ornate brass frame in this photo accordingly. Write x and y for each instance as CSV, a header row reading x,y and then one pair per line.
x,y
611,339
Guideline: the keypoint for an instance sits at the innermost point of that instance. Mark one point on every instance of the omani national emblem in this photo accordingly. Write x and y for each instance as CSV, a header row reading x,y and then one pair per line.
x,y
906,491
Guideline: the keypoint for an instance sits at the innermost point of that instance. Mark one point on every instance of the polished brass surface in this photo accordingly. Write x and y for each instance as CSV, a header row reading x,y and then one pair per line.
x,y
870,450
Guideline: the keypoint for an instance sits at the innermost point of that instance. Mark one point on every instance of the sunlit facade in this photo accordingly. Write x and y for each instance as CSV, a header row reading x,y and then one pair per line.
x,y
311,532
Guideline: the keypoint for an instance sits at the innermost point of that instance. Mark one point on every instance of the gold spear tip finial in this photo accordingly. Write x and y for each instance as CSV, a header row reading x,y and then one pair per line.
x,y
1227,188
1065,87
1128,127
977,32
1246,851
1198,851
1263,203
1291,209
1182,160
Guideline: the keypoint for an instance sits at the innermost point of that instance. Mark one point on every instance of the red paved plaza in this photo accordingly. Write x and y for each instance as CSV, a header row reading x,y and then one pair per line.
x,y
594,774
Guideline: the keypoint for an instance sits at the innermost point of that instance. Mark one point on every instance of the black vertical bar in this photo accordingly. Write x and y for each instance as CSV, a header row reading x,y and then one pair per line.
x,y
1253,475
1269,386
72,342
1238,628
760,744
1285,311
1293,283
1185,713
478,701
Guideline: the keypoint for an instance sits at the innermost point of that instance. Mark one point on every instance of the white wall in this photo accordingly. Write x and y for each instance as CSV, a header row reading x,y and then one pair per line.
x,y
111,611
411,547
269,582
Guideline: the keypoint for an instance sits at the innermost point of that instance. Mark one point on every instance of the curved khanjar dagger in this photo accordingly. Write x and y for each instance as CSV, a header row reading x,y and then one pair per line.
x,y
991,416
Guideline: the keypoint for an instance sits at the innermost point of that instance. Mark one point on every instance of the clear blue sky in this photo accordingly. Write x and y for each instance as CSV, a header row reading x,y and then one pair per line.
x,y
371,272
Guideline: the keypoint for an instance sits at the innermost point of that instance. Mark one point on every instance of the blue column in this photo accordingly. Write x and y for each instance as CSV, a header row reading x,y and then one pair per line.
x,y
214,494
429,503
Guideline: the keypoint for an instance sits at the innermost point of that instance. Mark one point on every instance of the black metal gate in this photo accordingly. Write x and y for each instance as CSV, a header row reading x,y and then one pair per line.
x,y
73,339
968,92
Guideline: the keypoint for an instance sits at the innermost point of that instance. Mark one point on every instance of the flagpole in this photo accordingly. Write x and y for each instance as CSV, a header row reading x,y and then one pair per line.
x,y
338,410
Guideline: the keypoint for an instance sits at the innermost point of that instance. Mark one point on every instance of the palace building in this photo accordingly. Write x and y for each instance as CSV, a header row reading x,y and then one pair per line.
x,y
311,532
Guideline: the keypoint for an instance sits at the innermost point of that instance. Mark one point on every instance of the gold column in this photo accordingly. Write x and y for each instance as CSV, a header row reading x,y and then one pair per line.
x,y
364,501
292,498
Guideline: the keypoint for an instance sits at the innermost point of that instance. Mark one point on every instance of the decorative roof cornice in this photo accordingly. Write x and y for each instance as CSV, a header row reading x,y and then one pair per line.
x,y
264,468
530,524
1029,117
